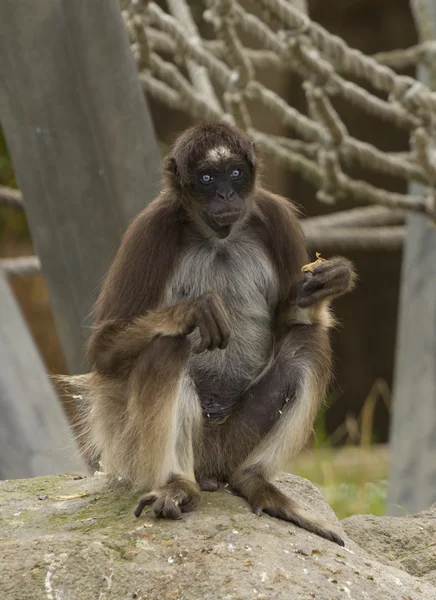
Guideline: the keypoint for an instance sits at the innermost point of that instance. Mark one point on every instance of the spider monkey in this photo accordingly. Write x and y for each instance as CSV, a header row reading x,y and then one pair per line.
x,y
210,350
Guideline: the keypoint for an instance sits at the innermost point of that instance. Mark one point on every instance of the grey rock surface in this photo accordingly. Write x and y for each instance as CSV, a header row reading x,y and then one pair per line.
x,y
66,539
407,542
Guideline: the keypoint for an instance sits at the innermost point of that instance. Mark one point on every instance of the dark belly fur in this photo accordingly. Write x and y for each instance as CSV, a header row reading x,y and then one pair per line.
x,y
217,398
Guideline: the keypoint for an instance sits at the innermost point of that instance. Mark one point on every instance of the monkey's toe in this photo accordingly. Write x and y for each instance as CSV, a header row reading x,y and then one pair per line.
x,y
144,501
208,485
166,507
336,538
327,534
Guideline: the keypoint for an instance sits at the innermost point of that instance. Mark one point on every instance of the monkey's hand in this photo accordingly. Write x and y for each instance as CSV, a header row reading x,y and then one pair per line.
x,y
208,314
114,346
328,280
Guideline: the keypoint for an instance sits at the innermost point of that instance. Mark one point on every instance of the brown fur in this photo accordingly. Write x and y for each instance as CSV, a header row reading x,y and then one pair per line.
x,y
210,351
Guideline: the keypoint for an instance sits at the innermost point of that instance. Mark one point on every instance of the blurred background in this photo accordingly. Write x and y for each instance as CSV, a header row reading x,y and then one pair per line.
x,y
352,430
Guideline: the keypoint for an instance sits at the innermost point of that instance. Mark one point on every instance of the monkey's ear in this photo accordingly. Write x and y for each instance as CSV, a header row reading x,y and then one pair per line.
x,y
252,154
171,165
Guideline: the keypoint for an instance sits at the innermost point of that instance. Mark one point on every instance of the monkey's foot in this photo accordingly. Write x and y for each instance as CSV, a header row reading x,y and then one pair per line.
x,y
265,497
208,485
171,500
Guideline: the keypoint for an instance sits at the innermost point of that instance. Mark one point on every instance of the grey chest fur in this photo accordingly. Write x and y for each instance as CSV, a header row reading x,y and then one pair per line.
x,y
241,274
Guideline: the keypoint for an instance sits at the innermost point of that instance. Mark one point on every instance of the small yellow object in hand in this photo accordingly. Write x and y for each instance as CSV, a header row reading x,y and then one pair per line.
x,y
310,266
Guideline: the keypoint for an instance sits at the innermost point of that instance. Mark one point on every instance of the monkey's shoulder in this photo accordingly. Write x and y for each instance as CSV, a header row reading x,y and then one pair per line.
x,y
157,233
275,221
162,216
144,262
276,212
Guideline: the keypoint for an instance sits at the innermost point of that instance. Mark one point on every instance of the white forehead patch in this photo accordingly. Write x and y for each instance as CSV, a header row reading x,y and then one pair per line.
x,y
218,153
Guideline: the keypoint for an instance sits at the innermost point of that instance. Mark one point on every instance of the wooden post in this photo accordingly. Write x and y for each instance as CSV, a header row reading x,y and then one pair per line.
x,y
82,144
35,437
412,477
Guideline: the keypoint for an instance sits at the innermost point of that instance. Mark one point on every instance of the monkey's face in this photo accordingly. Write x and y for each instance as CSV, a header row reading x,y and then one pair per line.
x,y
212,170
221,189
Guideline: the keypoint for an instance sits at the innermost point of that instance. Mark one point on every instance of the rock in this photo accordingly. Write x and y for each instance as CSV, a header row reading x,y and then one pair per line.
x,y
406,542
66,539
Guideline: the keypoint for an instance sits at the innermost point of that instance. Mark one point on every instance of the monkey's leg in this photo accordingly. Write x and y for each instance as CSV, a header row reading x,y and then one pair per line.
x,y
167,412
279,411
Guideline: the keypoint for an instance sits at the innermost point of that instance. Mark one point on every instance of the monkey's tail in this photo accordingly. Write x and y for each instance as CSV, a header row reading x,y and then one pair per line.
x,y
73,384
77,391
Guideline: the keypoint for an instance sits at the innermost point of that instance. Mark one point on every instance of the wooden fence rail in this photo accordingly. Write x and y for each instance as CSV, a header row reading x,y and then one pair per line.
x,y
86,160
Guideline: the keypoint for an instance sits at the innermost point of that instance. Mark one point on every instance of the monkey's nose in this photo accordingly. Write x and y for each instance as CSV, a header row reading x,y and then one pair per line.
x,y
227,196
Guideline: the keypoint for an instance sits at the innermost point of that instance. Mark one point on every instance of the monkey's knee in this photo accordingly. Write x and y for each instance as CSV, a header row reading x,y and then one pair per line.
x,y
170,346
165,356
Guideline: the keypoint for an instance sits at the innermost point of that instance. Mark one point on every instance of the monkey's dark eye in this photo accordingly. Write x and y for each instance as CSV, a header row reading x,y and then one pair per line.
x,y
236,173
205,179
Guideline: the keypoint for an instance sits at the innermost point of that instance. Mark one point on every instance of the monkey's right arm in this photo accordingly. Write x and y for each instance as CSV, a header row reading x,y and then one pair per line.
x,y
130,311
114,347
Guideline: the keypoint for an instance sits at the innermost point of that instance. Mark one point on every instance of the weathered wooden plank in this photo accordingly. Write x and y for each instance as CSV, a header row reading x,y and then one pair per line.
x,y
412,477
35,437
82,144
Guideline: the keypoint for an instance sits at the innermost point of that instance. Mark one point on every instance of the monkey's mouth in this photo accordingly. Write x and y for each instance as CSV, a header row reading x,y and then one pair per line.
x,y
226,218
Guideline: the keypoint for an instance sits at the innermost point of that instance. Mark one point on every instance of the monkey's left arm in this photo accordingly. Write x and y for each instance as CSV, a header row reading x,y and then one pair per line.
x,y
304,297
328,280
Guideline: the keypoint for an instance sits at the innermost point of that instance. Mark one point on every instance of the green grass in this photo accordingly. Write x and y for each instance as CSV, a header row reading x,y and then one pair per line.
x,y
352,477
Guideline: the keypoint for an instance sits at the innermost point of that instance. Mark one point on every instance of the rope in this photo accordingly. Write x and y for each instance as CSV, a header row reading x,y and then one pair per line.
x,y
358,217
424,18
10,197
363,239
25,265
324,239
216,79
326,150
409,57
199,75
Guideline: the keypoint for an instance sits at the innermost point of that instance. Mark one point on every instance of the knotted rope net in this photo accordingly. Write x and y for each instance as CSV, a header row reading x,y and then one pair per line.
x,y
216,79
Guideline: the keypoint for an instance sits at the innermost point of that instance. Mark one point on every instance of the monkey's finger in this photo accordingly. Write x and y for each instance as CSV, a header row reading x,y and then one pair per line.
x,y
225,335
204,336
145,501
331,289
216,306
336,270
304,301
224,327
312,284
257,511
213,328
331,263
